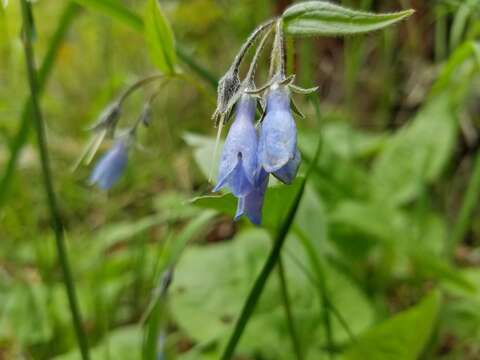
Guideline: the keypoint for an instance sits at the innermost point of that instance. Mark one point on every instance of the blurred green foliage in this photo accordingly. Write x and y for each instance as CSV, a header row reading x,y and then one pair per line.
x,y
387,228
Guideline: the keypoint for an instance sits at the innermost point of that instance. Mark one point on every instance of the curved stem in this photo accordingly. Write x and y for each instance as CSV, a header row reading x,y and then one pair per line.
x,y
253,65
48,183
246,45
137,85
278,60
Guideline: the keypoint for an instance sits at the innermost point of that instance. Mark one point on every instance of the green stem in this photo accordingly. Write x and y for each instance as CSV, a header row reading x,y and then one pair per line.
x,y
440,34
469,204
21,136
269,265
196,67
47,177
322,287
316,261
288,310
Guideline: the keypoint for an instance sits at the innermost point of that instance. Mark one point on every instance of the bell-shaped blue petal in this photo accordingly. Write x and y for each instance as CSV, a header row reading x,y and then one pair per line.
x,y
251,205
111,166
288,172
239,155
278,134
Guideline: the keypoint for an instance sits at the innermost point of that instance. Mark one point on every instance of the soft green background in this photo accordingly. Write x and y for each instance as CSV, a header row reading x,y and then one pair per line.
x,y
388,221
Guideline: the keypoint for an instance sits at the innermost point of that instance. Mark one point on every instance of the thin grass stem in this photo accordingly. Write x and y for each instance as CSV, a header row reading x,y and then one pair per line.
x,y
57,221
469,203
288,310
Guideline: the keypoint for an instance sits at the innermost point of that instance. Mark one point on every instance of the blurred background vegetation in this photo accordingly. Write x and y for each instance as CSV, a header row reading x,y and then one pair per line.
x,y
382,260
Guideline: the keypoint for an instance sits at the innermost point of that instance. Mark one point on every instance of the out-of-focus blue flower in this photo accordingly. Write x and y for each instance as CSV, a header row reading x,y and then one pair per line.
x,y
251,205
278,134
238,162
111,166
288,172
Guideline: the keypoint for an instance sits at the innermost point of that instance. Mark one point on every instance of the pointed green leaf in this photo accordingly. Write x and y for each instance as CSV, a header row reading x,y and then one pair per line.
x,y
401,337
159,38
417,154
312,18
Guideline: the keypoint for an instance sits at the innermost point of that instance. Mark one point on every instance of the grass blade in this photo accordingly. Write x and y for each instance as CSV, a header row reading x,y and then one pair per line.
x,y
288,310
469,204
48,183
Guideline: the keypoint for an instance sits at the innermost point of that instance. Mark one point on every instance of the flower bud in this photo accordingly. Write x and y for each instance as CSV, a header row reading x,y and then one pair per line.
x,y
111,166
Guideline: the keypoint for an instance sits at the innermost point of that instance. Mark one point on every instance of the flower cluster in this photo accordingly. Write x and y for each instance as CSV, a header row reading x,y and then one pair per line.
x,y
112,164
251,153
249,156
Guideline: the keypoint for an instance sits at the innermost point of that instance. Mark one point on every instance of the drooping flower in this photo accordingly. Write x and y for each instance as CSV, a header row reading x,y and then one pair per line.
x,y
238,162
278,134
251,205
111,166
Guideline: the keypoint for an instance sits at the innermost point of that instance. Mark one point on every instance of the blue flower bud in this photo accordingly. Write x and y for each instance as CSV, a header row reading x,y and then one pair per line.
x,y
288,172
111,166
238,162
251,204
278,134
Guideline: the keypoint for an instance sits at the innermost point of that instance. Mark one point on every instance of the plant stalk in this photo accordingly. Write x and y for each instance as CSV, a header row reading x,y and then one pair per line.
x,y
288,311
469,203
48,183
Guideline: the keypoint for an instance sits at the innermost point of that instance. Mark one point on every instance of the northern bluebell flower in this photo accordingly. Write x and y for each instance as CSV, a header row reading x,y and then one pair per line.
x,y
251,205
111,166
278,134
238,162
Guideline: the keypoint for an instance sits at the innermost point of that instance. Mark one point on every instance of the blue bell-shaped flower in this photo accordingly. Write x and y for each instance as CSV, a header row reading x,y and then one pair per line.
x,y
251,205
238,162
278,134
111,166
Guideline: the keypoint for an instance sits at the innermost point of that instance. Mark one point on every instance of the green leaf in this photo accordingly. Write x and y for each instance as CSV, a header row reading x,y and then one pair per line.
x,y
214,294
401,337
203,147
121,344
114,9
159,38
417,154
312,18
449,74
